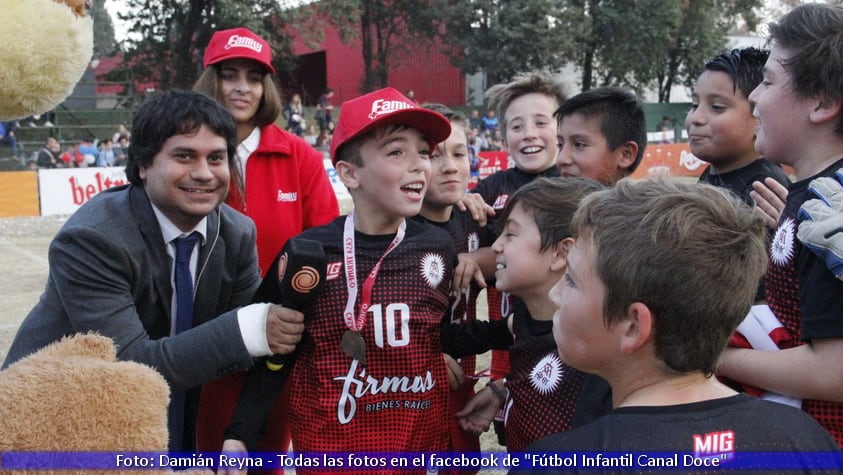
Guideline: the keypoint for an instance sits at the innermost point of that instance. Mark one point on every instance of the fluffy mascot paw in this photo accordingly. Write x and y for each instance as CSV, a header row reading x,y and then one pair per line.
x,y
47,45
74,396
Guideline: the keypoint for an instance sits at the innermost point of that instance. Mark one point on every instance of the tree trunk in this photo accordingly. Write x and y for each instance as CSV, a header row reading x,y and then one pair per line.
x,y
366,44
185,75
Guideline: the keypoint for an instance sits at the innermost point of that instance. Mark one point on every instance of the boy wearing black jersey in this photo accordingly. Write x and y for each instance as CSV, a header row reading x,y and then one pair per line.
x,y
641,305
370,375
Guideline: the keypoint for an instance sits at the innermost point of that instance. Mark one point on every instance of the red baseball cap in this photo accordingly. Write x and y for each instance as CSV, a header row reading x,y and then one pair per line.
x,y
385,107
238,43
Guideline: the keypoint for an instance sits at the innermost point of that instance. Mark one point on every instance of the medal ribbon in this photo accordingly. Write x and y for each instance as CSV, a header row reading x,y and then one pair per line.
x,y
356,324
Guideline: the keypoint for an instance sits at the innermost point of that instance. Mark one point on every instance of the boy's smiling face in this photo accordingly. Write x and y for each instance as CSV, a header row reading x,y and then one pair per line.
x,y
522,267
530,132
393,179
778,134
720,125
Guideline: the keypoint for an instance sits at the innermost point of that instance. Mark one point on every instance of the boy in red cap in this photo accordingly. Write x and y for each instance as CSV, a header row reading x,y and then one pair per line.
x,y
370,374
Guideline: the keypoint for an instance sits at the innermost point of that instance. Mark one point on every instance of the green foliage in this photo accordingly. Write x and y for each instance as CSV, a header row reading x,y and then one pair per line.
x,y
634,43
503,37
640,44
104,42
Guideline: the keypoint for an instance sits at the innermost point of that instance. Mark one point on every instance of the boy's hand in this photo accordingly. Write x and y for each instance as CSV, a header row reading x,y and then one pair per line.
x,y
477,415
235,448
475,205
769,197
467,269
821,229
456,376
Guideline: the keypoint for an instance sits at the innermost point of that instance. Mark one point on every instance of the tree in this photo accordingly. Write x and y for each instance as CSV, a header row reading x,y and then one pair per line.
x,y
503,37
634,43
104,42
168,37
655,44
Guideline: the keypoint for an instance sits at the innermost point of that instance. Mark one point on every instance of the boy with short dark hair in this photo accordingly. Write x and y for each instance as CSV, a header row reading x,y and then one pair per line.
x,y
642,305
720,125
804,77
370,375
601,134
541,395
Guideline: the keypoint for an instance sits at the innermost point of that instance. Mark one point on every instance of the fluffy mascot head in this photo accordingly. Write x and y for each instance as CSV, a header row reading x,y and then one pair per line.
x,y
47,44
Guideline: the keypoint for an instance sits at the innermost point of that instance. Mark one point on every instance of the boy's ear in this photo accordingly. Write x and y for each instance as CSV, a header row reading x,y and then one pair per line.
x,y
560,254
626,154
826,109
636,328
348,174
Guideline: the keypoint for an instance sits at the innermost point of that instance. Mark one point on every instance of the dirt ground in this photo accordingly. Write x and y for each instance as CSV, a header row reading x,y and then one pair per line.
x,y
23,274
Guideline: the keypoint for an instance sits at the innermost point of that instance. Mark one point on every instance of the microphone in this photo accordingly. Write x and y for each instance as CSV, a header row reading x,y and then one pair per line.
x,y
301,270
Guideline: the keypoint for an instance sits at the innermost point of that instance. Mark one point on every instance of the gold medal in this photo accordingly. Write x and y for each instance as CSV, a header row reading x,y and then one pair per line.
x,y
354,346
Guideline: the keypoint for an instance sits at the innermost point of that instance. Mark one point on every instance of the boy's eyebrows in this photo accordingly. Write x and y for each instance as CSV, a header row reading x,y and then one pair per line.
x,y
401,139
193,150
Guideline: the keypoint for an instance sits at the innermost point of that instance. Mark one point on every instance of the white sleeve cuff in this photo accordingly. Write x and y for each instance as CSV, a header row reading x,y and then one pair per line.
x,y
252,322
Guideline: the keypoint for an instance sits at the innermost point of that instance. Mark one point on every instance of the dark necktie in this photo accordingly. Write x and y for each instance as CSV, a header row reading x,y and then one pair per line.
x,y
184,282
184,321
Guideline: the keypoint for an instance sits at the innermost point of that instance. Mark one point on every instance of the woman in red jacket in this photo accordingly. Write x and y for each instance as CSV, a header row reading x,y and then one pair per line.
x,y
286,190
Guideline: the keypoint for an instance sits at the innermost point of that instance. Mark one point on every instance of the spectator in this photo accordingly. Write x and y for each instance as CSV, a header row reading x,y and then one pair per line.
x,y
122,131
324,109
50,155
490,122
311,136
474,120
105,156
667,130
294,113
72,157
7,136
89,151
121,149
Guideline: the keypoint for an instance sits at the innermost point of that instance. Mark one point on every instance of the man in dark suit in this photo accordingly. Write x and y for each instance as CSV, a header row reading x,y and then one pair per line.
x,y
112,265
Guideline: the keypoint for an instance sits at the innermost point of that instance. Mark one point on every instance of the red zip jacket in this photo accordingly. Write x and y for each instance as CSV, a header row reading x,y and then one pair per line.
x,y
287,191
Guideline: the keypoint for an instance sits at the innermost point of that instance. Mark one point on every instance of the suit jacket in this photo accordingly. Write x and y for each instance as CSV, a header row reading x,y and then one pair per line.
x,y
110,273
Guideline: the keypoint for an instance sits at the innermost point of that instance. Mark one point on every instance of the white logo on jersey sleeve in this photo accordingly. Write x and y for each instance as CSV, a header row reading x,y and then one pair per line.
x,y
473,242
433,269
547,373
781,249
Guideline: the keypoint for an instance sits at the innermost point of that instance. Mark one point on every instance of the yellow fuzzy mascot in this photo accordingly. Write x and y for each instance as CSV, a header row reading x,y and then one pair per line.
x,y
47,45
72,396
